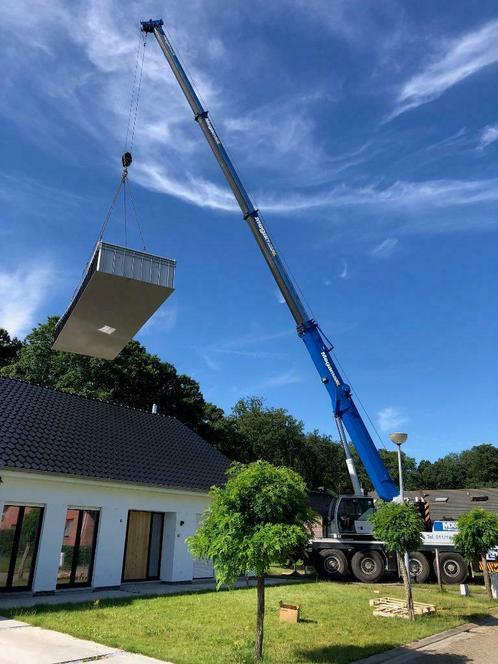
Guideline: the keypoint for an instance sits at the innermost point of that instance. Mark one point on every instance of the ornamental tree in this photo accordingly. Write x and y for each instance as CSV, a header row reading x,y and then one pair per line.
x,y
477,533
399,525
258,518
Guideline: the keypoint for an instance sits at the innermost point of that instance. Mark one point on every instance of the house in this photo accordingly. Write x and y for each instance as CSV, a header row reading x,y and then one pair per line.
x,y
96,494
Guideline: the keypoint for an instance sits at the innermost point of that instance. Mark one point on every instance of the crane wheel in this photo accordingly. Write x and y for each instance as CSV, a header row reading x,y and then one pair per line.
x,y
368,566
333,563
453,567
420,569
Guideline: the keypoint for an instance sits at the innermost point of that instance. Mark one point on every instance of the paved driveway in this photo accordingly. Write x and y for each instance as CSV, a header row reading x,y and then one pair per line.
x,y
21,643
474,643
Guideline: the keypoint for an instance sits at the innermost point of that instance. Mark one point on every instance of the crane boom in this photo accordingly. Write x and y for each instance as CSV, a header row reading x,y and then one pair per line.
x,y
344,408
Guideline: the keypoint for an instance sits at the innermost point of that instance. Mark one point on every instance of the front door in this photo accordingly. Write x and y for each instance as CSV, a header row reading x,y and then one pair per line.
x,y
19,534
144,536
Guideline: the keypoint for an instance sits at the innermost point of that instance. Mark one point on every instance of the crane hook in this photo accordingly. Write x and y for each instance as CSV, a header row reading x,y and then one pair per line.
x,y
126,159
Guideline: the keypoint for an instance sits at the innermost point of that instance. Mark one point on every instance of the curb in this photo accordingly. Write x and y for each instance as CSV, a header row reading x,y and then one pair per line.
x,y
410,649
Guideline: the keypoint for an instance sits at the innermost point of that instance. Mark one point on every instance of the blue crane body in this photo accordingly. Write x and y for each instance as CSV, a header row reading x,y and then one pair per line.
x,y
344,409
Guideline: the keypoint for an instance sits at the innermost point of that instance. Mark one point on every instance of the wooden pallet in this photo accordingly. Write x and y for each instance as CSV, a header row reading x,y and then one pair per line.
x,y
390,607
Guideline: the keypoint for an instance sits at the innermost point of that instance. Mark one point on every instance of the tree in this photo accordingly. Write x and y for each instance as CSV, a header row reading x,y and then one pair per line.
x,y
476,467
258,518
445,473
480,465
477,533
269,433
399,525
390,460
253,431
9,347
323,464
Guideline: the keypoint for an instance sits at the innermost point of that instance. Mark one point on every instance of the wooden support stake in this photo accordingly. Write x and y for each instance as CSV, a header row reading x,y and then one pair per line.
x,y
438,571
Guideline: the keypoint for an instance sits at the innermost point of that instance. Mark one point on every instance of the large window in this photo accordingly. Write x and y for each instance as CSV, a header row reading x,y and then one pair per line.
x,y
19,535
78,548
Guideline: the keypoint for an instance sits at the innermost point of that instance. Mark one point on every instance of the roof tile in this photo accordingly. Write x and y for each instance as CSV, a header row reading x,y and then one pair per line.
x,y
69,434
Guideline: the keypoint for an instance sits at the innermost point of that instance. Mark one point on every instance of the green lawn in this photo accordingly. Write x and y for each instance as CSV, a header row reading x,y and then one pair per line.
x,y
217,627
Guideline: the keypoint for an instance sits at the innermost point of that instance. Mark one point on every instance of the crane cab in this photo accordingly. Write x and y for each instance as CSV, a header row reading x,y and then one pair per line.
x,y
348,516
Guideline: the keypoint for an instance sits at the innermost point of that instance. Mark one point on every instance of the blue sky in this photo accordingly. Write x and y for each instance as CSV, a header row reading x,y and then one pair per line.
x,y
367,133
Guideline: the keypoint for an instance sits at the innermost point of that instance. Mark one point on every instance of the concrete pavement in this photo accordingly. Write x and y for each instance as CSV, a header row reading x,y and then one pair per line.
x,y
473,643
21,643
127,590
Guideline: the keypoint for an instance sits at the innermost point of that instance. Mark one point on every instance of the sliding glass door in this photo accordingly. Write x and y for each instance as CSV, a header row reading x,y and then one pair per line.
x,y
19,535
78,548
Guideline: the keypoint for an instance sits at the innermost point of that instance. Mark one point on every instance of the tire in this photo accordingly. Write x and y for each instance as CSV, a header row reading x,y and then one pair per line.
x,y
333,563
420,569
453,568
368,566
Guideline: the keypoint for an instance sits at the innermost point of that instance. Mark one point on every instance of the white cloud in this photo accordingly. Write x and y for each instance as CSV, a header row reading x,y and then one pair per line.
x,y
289,377
385,249
242,347
461,58
216,48
488,135
407,195
210,362
389,419
286,378
22,292
343,274
164,320
90,89
279,296
283,129
195,190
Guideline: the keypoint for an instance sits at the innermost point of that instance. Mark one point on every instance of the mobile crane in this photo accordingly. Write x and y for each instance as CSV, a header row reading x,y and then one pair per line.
x,y
350,541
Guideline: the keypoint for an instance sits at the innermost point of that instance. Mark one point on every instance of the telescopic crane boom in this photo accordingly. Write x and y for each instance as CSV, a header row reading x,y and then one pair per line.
x,y
345,412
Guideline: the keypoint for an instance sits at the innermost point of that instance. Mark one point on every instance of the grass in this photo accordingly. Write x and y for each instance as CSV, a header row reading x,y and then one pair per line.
x,y
208,627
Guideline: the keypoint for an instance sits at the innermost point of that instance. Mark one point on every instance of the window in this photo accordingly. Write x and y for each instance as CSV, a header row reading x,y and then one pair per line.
x,y
19,534
68,528
353,509
78,548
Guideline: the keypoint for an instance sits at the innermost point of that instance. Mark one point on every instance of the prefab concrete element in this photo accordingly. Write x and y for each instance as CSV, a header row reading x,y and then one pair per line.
x,y
121,290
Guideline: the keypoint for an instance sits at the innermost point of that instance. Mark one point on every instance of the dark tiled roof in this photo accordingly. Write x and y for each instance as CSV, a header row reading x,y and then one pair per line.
x,y
458,501
50,431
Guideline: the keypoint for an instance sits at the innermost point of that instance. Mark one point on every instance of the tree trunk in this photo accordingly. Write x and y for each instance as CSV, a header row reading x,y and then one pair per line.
x,y
407,584
260,617
487,580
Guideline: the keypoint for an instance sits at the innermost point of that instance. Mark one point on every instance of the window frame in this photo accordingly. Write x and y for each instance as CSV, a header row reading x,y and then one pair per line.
x,y
8,587
74,563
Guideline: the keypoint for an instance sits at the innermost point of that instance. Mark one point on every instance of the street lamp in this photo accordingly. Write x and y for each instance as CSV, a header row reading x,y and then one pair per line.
x,y
398,438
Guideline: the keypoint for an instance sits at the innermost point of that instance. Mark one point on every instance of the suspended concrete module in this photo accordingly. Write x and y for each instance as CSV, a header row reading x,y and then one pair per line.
x,y
120,291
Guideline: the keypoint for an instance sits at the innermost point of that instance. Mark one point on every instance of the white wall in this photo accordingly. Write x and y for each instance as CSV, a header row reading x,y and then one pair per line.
x,y
113,500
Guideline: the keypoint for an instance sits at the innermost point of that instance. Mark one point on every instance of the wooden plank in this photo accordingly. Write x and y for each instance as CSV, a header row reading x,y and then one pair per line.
x,y
391,606
137,546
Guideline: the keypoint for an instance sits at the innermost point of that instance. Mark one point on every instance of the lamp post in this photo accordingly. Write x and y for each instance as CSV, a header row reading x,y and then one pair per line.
x,y
398,438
